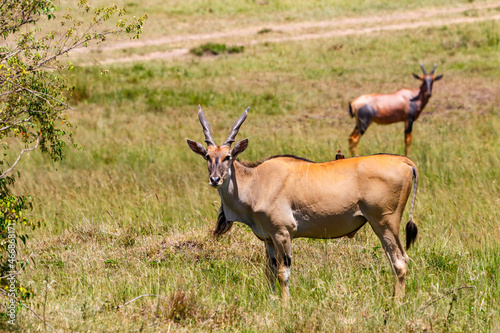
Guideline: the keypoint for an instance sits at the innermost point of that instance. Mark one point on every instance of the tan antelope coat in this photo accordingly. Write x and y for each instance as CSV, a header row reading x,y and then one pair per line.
x,y
286,197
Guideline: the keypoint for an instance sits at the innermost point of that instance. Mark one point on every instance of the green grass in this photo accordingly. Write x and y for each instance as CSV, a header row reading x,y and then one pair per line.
x,y
216,49
194,16
131,213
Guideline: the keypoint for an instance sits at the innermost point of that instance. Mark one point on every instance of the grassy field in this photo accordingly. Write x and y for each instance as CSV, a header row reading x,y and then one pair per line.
x,y
171,17
131,213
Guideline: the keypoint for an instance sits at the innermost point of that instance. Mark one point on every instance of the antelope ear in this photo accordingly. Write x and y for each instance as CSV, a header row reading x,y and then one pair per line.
x,y
197,147
439,77
239,148
416,76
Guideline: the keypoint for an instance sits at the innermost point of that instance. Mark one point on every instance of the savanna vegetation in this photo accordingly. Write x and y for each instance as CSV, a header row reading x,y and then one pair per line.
x,y
131,213
33,97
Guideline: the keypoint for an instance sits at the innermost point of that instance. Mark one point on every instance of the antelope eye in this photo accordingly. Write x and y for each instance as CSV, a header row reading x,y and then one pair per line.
x,y
206,157
227,158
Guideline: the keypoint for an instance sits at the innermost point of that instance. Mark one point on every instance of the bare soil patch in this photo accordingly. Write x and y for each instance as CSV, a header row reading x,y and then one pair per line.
x,y
178,46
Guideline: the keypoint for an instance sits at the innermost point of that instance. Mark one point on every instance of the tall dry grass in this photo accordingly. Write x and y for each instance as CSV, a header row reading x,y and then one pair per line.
x,y
131,213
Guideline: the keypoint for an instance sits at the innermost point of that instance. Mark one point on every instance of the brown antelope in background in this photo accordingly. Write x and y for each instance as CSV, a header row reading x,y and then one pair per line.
x,y
402,105
284,197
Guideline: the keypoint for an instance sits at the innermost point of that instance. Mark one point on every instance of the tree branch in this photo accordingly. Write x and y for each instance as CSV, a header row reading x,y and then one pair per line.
x,y
19,157
83,41
10,92
36,314
19,122
10,55
23,14
39,95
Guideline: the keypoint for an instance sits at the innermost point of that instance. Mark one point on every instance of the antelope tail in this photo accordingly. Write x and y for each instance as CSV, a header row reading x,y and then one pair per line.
x,y
350,111
411,226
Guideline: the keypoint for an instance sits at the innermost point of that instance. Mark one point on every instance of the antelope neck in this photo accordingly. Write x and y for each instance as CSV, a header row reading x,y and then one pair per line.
x,y
233,193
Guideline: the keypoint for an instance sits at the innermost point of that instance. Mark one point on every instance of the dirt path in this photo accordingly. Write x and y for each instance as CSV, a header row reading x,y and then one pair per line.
x,y
301,31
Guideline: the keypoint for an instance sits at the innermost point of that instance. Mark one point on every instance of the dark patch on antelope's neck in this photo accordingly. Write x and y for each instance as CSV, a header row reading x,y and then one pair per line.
x,y
411,117
255,164
287,261
421,94
413,109
223,225
274,262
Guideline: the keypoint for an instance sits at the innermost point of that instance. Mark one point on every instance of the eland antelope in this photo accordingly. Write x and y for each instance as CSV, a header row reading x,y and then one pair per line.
x,y
402,105
285,197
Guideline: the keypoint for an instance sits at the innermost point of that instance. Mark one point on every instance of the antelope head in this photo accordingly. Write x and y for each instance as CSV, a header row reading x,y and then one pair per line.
x,y
427,80
219,158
